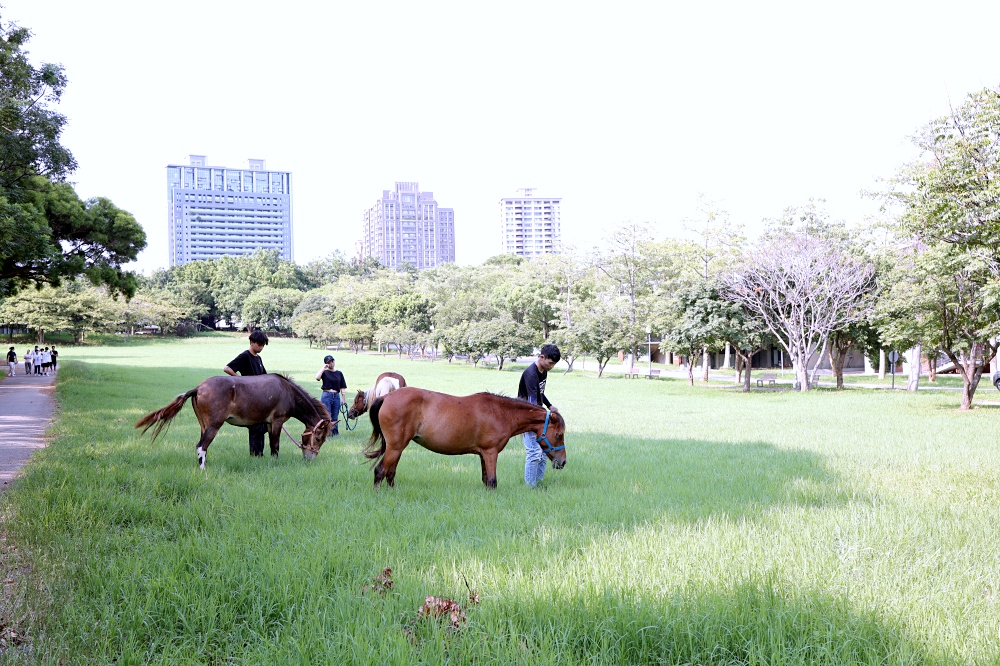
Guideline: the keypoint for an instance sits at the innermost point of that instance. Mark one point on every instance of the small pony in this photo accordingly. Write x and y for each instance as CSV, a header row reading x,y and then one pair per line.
x,y
479,424
246,401
386,383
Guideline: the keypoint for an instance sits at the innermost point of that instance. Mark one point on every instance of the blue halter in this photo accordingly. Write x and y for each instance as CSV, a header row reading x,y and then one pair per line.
x,y
548,448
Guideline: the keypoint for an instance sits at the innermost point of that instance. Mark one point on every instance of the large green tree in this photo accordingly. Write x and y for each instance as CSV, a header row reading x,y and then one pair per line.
x,y
947,298
952,193
46,232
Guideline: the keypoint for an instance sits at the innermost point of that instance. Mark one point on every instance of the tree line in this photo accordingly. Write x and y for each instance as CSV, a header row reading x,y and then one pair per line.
x,y
923,278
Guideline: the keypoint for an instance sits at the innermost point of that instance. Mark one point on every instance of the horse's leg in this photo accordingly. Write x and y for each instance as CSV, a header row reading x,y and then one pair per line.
x,y
489,458
207,435
386,468
275,436
395,442
482,463
389,462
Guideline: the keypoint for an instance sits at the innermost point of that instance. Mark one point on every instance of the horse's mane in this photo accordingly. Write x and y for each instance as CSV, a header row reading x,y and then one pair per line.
x,y
301,395
507,401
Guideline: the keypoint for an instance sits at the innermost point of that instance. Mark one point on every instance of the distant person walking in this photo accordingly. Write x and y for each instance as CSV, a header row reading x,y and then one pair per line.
x,y
27,361
55,359
532,389
46,361
11,362
249,364
334,386
36,361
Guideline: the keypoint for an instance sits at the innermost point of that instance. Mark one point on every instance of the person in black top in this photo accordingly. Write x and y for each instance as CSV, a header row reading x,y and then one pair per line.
x,y
12,362
334,386
532,389
249,364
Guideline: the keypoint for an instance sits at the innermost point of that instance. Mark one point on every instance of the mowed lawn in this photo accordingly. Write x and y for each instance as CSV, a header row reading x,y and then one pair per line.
x,y
690,526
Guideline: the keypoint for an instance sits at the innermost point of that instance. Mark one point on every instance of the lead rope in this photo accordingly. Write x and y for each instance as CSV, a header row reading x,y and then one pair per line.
x,y
290,436
347,421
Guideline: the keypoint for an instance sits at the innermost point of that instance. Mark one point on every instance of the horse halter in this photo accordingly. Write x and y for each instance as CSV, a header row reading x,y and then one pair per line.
x,y
548,448
309,432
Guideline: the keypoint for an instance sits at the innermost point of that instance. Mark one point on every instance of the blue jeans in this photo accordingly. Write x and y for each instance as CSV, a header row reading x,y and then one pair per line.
x,y
534,462
331,401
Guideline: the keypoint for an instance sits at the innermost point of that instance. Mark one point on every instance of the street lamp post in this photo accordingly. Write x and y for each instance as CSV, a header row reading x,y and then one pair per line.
x,y
649,348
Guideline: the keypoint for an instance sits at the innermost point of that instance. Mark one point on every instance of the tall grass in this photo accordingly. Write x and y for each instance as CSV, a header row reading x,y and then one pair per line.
x,y
690,526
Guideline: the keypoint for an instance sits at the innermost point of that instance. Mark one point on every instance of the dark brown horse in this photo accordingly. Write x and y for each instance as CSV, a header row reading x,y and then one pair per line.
x,y
364,399
246,401
479,424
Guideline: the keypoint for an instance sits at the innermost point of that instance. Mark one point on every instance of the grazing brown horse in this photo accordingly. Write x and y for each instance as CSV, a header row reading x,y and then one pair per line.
x,y
479,424
246,401
386,383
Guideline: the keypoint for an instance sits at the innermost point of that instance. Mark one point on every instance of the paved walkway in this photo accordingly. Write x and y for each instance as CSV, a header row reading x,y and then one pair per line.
x,y
26,406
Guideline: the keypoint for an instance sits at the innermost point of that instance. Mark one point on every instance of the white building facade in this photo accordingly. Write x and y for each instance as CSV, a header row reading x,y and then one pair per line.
x,y
216,211
530,225
408,226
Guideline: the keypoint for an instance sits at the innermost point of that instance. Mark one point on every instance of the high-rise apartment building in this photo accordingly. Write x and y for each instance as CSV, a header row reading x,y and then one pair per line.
x,y
216,211
530,225
407,225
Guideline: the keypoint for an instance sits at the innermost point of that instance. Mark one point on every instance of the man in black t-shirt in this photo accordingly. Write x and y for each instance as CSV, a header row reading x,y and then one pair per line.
x,y
532,389
11,362
249,364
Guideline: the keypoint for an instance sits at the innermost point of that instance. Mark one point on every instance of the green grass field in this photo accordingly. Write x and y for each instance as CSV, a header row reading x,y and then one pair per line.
x,y
690,526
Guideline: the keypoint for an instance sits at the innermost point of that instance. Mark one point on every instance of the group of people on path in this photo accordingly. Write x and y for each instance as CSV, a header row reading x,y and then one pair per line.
x,y
43,361
530,388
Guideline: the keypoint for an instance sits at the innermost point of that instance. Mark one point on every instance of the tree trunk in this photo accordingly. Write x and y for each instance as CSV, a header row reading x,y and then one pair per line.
x,y
745,362
819,360
838,356
41,336
801,375
739,368
968,390
601,365
970,371
914,380
704,364
691,372
932,365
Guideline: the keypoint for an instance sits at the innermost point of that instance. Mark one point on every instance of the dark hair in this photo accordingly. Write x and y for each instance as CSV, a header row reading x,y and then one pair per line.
x,y
327,358
550,351
258,336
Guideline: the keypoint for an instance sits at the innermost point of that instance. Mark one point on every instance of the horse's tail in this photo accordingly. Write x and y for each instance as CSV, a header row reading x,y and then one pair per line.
x,y
160,419
370,450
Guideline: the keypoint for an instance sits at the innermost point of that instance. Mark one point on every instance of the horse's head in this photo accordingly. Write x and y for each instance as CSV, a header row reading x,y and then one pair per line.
x,y
357,408
553,439
314,437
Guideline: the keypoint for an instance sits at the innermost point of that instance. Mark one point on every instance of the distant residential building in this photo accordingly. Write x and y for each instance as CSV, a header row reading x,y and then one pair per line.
x,y
215,211
407,225
530,225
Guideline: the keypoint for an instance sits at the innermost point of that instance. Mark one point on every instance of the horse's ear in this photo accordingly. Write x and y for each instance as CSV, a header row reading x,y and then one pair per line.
x,y
329,427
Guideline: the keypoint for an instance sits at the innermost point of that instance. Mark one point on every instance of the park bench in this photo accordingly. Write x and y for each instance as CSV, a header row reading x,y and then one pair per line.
x,y
768,377
652,374
631,373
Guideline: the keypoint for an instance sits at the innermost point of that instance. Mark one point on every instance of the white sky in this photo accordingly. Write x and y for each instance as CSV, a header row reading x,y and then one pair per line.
x,y
627,110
